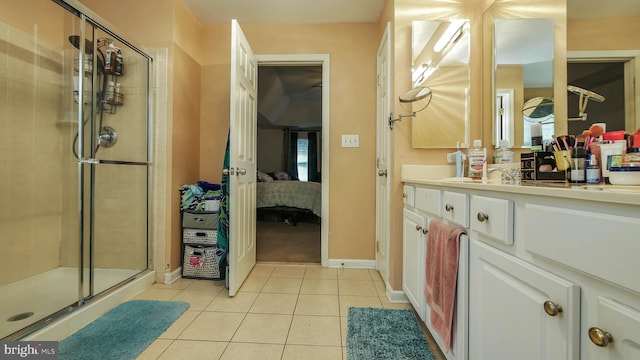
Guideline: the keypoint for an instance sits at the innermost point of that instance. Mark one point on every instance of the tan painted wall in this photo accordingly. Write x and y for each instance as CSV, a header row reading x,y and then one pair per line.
x,y
603,34
406,11
352,49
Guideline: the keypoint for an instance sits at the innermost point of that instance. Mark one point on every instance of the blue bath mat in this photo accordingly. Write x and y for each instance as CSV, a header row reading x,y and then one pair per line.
x,y
374,333
122,333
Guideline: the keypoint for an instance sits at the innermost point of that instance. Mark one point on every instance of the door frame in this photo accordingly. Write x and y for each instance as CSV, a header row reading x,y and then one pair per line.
x,y
323,60
382,265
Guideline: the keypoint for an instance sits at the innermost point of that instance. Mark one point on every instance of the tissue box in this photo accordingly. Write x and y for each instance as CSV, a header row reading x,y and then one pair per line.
x,y
534,166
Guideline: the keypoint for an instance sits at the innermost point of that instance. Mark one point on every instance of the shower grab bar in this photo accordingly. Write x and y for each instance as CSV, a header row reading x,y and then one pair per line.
x,y
114,162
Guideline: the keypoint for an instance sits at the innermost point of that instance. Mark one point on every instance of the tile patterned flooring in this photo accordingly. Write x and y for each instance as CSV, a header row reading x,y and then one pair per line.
x,y
282,311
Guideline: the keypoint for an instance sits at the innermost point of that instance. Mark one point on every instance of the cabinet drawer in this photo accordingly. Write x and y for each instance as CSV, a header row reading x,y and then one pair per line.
x,y
603,245
455,208
200,220
408,195
428,200
200,236
492,217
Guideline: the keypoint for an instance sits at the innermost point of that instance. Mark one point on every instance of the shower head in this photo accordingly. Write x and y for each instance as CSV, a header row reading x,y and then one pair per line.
x,y
88,44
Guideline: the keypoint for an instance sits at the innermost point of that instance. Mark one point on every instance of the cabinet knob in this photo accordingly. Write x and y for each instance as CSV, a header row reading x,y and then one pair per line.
x,y
418,227
424,231
448,207
483,216
551,308
600,337
404,195
382,172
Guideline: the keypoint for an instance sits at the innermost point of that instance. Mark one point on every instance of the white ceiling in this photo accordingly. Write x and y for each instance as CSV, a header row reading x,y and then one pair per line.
x,y
285,11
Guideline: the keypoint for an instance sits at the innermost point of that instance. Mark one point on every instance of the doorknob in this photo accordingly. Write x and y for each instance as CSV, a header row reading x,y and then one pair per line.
x,y
229,171
241,171
382,172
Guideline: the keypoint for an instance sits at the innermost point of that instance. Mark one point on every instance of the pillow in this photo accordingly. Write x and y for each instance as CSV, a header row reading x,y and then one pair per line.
x,y
262,177
281,175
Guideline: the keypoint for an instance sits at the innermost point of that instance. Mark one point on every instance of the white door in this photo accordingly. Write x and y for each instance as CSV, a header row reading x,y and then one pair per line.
x,y
511,309
382,155
242,156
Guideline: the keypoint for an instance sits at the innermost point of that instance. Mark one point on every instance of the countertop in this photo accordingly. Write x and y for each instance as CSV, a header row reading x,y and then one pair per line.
x,y
442,176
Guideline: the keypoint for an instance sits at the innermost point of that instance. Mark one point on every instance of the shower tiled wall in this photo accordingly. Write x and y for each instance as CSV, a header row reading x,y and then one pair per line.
x,y
30,152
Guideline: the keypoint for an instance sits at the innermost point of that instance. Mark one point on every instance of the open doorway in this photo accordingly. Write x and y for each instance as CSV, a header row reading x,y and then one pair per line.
x,y
289,161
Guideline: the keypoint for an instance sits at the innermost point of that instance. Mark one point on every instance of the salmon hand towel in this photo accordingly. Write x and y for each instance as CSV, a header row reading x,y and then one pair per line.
x,y
443,244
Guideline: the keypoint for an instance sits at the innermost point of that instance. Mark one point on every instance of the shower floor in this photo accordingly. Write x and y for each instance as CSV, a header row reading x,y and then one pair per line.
x,y
47,293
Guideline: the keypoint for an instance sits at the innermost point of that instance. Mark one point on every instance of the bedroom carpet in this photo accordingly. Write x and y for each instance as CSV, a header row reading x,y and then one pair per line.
x,y
277,241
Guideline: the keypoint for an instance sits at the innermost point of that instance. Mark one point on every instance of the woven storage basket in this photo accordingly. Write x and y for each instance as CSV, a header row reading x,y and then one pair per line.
x,y
200,262
200,236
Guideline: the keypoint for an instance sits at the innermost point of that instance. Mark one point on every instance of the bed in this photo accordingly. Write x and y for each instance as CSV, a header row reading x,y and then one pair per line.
x,y
289,196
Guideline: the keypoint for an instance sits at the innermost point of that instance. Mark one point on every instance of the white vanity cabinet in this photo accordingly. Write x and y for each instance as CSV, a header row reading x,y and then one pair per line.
x,y
553,272
413,259
519,311
422,204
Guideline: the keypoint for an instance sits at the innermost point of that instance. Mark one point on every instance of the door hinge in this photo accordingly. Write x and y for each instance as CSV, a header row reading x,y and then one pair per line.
x,y
378,80
377,246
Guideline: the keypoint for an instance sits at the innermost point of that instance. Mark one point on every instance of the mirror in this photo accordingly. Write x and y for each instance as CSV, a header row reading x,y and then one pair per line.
x,y
522,79
440,62
603,56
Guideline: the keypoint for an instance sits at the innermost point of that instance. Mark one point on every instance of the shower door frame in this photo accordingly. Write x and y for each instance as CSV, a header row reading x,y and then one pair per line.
x,y
92,162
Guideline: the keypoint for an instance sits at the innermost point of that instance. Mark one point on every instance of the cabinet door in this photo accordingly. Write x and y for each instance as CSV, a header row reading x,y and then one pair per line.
x,y
414,252
616,330
507,313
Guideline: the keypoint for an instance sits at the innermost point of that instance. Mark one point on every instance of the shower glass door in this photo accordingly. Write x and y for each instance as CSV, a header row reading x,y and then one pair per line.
x,y
74,162
114,154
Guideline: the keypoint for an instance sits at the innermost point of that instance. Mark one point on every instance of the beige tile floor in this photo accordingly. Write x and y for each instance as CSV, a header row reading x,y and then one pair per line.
x,y
282,311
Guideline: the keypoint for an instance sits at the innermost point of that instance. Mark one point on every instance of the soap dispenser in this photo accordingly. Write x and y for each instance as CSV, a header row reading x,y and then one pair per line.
x,y
477,160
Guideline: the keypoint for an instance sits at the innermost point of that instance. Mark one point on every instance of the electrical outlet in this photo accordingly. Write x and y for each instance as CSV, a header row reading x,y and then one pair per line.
x,y
350,140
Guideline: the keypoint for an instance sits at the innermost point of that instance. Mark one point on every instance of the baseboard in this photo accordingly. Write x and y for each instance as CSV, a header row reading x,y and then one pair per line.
x,y
396,296
352,264
171,277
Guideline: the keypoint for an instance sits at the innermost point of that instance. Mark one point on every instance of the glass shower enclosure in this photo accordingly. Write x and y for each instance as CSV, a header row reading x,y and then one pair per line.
x,y
74,162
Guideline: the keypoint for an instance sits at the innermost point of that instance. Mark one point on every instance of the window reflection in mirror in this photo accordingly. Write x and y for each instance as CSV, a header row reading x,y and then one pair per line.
x,y
523,69
440,61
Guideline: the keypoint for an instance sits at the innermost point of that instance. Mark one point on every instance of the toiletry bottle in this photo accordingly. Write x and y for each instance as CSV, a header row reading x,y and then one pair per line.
x,y
476,157
503,155
578,167
593,171
536,137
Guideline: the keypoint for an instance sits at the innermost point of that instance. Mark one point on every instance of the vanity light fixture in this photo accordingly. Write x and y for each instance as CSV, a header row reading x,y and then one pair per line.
x,y
411,96
585,95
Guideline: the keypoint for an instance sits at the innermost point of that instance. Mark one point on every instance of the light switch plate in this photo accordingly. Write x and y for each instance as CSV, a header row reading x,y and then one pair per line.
x,y
350,140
